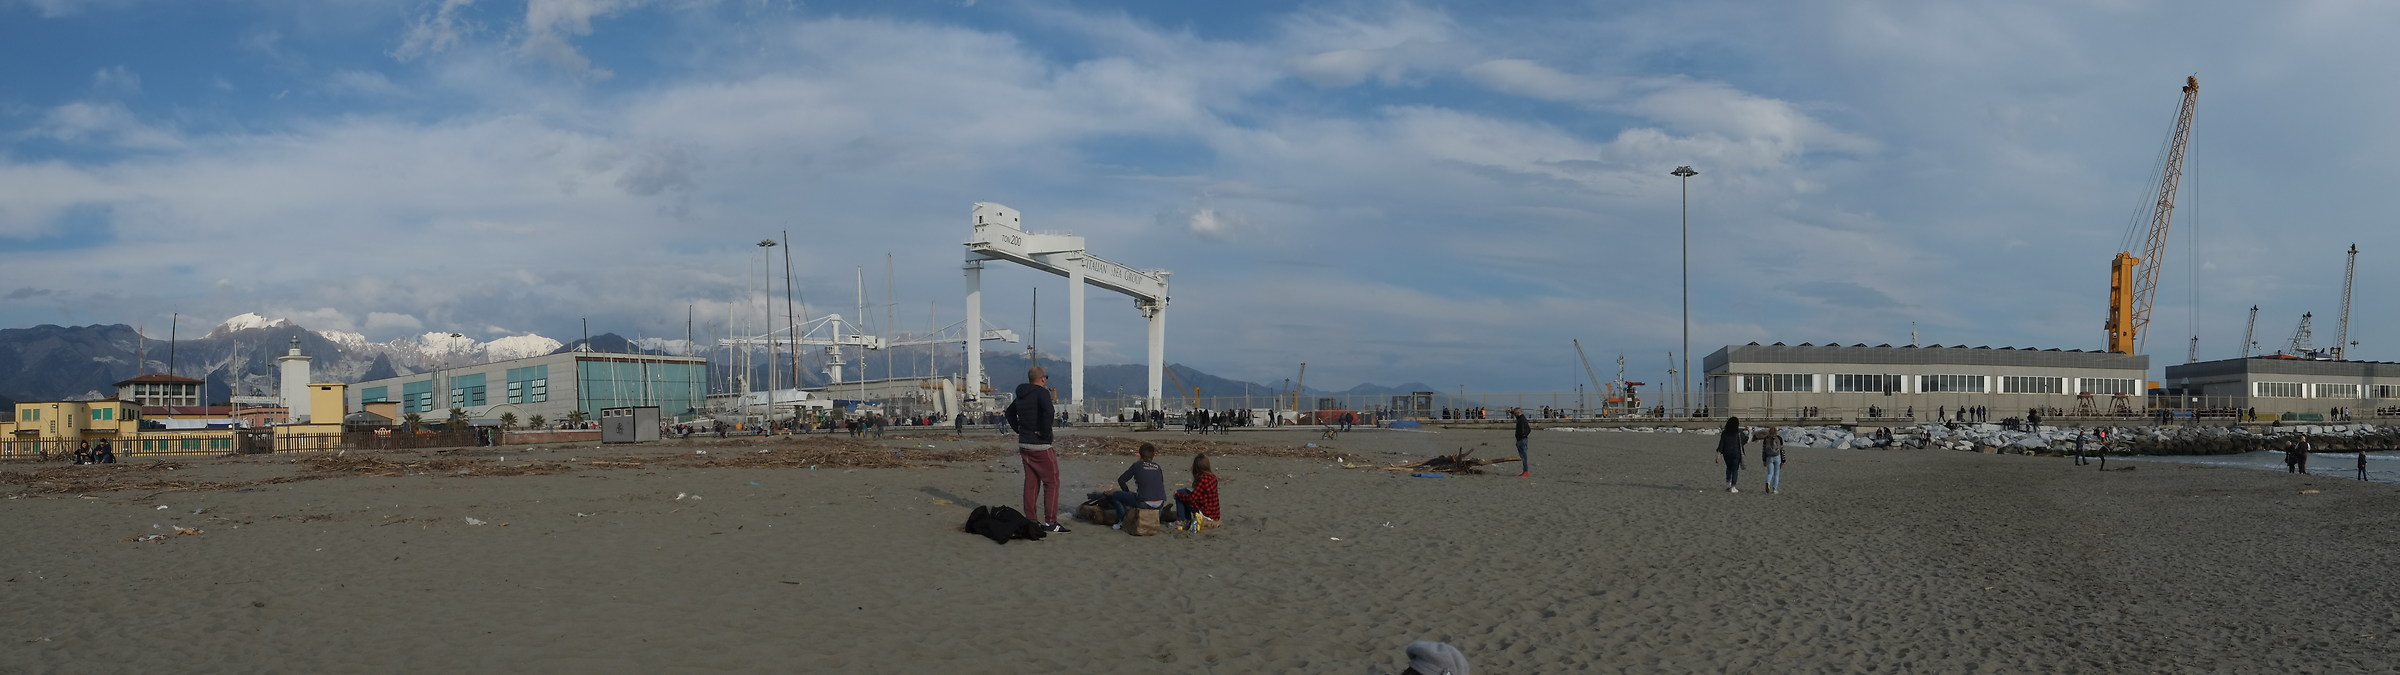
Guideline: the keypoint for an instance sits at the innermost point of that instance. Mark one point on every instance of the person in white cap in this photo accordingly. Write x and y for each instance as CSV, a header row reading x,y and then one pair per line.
x,y
1435,658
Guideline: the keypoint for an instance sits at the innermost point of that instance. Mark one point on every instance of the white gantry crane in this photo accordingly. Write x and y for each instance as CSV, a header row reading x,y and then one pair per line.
x,y
829,331
1000,235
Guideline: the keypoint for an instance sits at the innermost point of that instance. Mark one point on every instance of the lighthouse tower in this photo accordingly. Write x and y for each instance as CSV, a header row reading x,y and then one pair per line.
x,y
294,387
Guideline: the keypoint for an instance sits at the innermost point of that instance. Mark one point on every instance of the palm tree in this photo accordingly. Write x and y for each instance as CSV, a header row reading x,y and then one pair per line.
x,y
458,418
575,418
412,421
508,420
536,421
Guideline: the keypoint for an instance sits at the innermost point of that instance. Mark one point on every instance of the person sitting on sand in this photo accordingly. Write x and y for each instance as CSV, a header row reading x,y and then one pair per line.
x,y
105,453
1149,489
1201,497
1729,451
83,452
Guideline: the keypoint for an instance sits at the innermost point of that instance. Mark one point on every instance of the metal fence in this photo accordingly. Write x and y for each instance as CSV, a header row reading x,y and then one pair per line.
x,y
238,443
1818,406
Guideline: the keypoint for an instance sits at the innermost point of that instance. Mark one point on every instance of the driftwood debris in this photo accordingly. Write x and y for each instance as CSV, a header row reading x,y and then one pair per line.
x,y
1459,463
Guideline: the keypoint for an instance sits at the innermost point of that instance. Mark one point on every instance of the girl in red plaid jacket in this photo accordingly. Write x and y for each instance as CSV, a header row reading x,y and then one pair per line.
x,y
1201,497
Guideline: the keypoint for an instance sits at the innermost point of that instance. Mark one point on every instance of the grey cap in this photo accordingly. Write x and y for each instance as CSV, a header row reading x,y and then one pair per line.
x,y
1436,658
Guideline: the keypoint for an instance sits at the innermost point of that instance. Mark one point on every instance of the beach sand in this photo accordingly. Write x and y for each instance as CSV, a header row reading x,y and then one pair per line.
x,y
1622,553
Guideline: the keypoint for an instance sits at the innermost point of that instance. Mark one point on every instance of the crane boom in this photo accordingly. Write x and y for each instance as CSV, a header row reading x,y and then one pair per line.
x,y
1587,369
2250,333
2133,285
1300,386
2341,339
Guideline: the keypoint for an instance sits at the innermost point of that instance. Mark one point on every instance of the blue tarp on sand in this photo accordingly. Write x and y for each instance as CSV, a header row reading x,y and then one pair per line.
x,y
1407,424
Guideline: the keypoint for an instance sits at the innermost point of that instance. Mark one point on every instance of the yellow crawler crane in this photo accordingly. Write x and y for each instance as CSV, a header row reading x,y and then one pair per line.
x,y
2131,284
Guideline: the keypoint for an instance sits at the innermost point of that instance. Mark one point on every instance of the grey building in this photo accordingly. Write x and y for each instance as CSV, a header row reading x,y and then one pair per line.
x,y
553,386
1779,381
2275,385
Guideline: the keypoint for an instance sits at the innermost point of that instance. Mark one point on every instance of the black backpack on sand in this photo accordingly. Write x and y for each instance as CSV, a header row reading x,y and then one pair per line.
x,y
1002,524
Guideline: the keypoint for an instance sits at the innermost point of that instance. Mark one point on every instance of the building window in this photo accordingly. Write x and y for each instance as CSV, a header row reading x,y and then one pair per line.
x,y
101,414
416,397
2111,385
1779,382
1950,383
524,384
375,395
2275,389
2337,390
31,415
2387,391
1866,383
2025,384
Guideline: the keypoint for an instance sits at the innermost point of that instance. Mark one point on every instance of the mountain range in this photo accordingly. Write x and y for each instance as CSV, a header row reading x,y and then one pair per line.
x,y
52,363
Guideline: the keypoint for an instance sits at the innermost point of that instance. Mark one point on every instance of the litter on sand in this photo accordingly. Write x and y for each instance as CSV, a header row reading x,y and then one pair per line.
x,y
472,521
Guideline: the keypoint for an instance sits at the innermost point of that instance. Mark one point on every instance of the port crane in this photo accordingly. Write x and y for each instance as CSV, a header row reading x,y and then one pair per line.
x,y
2341,339
2300,346
830,331
2250,333
2132,281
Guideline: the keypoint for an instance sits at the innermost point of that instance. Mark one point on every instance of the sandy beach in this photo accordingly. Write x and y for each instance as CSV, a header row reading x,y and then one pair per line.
x,y
1622,553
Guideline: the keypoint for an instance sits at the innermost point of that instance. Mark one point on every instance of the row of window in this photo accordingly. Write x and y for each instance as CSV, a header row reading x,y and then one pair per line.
x,y
164,444
1893,384
530,384
2318,390
525,385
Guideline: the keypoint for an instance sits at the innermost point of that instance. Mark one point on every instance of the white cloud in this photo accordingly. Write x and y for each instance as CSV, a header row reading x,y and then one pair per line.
x,y
108,124
385,323
52,9
365,83
1340,49
116,81
550,26
434,32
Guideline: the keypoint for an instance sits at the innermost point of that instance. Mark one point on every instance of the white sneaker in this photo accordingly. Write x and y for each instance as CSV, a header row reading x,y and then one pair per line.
x,y
1733,489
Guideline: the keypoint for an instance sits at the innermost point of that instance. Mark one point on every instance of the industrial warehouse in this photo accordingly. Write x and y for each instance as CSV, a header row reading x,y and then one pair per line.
x,y
554,386
1910,382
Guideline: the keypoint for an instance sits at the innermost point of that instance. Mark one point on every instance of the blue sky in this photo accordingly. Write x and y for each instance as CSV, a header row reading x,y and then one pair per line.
x,y
1440,192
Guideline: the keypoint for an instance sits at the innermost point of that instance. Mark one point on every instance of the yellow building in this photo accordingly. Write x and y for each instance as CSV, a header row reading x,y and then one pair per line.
x,y
55,428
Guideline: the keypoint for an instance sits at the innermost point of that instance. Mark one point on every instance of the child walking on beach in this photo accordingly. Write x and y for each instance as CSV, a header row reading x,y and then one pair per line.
x,y
1770,452
1729,451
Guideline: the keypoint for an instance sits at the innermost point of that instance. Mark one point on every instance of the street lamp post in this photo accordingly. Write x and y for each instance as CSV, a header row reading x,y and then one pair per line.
x,y
1686,173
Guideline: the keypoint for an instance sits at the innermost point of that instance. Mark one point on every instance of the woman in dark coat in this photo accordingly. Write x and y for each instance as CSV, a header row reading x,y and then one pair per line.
x,y
1729,451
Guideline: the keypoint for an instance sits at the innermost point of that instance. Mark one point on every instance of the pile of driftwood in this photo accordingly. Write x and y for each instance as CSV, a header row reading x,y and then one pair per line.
x,y
372,465
1459,463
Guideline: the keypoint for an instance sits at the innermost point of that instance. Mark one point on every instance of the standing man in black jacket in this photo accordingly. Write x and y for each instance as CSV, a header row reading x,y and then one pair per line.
x,y
1030,415
1524,433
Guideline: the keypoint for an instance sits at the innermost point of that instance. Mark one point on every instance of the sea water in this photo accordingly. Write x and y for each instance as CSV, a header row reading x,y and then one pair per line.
x,y
2382,467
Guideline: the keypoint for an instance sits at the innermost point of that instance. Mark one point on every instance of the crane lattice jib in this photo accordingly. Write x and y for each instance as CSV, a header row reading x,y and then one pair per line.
x,y
2341,339
2145,284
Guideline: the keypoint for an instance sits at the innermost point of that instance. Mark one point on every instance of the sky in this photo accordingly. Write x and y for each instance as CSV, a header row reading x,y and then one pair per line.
x,y
1437,192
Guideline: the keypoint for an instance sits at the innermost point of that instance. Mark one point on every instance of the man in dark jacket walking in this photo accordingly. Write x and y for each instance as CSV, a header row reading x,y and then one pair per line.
x,y
1524,432
1030,415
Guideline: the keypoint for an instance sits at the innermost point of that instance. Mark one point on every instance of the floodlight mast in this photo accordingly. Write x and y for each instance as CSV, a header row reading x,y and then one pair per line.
x,y
999,236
